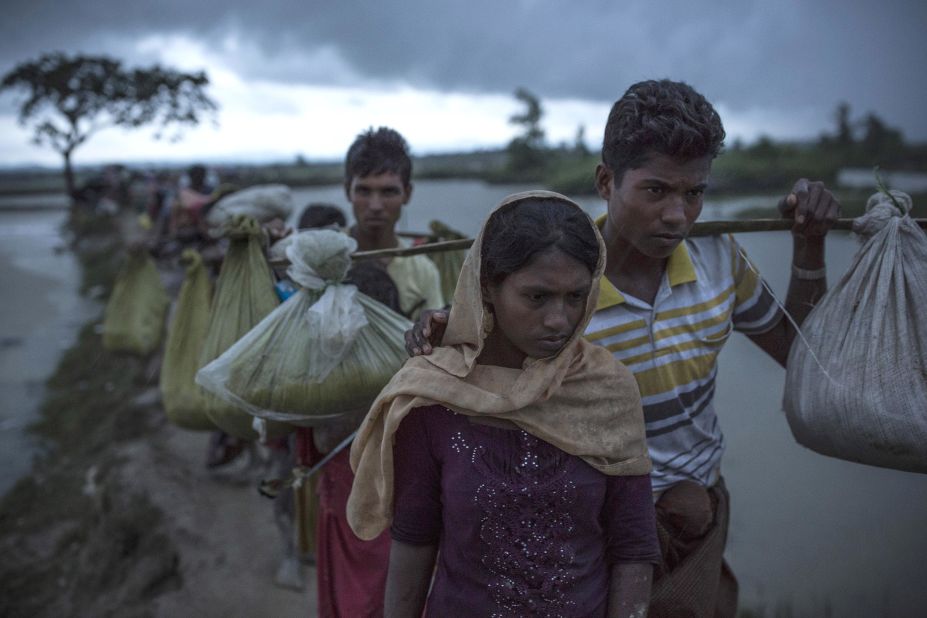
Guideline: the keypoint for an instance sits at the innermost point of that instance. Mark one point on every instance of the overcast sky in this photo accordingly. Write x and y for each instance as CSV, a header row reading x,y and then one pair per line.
x,y
305,77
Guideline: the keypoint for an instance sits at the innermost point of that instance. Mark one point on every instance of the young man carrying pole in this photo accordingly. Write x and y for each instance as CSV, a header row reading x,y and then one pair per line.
x,y
668,303
351,572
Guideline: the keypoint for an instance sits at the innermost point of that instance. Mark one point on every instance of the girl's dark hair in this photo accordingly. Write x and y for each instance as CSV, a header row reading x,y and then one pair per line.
x,y
515,234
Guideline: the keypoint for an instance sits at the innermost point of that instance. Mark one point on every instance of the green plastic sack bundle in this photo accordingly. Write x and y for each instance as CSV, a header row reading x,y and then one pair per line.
x,y
244,296
134,317
326,351
184,400
449,263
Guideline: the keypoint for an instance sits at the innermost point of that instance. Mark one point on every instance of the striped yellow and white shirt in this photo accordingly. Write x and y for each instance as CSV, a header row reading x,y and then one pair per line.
x,y
708,291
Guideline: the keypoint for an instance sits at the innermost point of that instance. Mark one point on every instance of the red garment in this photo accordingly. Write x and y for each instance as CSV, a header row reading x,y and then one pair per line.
x,y
306,452
190,206
351,572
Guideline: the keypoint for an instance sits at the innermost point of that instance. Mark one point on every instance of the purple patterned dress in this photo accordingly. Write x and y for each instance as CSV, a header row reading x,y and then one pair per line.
x,y
524,528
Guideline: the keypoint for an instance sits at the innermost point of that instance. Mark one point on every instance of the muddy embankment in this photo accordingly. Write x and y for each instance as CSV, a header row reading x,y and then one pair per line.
x,y
119,516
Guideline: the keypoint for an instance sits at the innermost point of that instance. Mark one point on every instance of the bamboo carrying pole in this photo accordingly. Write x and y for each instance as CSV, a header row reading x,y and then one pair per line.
x,y
700,228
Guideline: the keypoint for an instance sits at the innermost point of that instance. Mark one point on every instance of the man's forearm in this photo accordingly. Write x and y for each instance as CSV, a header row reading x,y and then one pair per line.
x,y
807,284
813,211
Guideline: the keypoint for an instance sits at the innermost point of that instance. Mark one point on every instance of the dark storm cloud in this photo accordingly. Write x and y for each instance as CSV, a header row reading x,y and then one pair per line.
x,y
746,54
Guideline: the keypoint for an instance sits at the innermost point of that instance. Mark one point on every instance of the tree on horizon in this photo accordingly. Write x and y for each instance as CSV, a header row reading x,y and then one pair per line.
x,y
526,151
70,99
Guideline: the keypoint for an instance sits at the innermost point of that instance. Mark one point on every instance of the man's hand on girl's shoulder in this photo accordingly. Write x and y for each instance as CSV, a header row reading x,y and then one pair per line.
x,y
427,332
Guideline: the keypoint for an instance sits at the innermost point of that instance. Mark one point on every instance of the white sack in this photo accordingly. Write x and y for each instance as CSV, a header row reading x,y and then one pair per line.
x,y
261,202
867,400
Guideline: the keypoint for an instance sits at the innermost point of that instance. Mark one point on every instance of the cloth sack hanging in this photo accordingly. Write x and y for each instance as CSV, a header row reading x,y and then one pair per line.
x,y
244,296
449,263
261,202
325,351
184,401
133,320
857,390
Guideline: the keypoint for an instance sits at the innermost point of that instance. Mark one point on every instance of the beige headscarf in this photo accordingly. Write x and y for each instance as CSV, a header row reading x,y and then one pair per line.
x,y
581,400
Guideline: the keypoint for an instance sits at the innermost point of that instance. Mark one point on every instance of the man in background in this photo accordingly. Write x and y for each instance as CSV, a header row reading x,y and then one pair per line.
x,y
378,184
378,169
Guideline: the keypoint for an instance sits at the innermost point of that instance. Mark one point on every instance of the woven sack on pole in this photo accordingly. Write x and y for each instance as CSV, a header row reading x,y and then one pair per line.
x,y
184,401
244,296
858,389
325,351
449,263
133,320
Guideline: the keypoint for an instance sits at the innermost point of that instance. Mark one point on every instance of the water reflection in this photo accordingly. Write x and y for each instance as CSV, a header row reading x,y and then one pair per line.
x,y
40,315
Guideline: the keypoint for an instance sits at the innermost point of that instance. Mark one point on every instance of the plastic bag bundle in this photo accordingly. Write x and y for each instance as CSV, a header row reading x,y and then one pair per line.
x,y
184,401
449,263
134,316
261,202
327,350
244,296
858,389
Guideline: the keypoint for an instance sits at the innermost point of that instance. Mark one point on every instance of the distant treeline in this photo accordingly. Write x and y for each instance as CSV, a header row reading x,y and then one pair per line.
x,y
765,166
112,94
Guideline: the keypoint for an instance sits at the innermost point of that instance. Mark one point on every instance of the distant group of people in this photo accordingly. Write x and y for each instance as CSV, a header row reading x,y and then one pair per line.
x,y
552,447
177,204
107,191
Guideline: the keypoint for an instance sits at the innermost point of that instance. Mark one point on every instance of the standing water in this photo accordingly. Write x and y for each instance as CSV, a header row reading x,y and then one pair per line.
x,y
40,315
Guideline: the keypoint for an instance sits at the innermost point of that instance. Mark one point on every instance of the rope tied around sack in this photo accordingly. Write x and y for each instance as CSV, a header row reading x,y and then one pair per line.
x,y
881,209
319,260
191,260
243,227
272,488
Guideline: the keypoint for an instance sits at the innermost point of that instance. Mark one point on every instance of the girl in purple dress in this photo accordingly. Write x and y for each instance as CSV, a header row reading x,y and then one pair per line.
x,y
510,464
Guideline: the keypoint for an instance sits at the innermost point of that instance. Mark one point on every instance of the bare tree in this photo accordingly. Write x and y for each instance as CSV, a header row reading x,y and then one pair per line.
x,y
526,151
69,99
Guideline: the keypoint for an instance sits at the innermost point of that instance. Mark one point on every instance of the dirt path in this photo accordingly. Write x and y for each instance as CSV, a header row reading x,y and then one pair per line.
x,y
223,531
119,517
